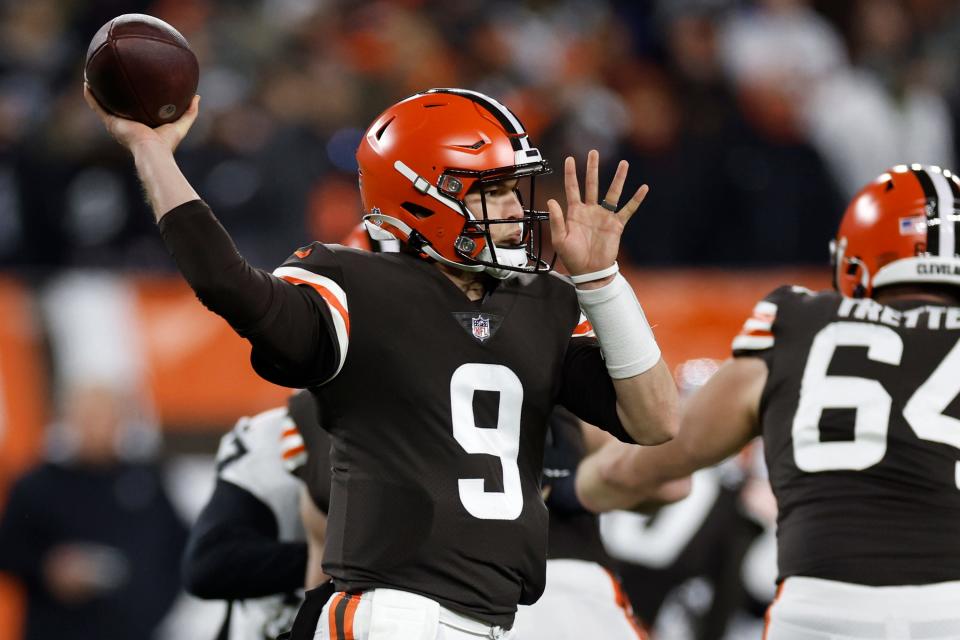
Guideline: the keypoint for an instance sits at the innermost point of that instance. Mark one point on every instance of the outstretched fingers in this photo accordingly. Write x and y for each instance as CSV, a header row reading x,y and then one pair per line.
x,y
592,182
558,228
570,183
616,187
633,204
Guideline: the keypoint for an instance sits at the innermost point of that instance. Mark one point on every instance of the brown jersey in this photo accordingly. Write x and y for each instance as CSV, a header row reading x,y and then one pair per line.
x,y
437,410
861,428
436,406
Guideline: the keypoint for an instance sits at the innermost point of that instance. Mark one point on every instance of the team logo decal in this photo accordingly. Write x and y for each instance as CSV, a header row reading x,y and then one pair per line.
x,y
482,326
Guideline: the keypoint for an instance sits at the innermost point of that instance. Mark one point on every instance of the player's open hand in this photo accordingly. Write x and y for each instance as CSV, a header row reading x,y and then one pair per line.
x,y
587,236
130,133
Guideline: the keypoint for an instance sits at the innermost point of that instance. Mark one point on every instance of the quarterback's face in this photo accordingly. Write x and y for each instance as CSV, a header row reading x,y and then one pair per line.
x,y
502,204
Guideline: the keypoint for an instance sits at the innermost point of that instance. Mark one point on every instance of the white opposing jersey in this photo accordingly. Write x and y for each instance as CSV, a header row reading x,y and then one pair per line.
x,y
251,456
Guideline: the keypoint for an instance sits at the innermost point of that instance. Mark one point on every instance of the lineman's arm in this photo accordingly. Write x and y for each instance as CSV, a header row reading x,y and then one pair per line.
x,y
718,420
233,551
315,525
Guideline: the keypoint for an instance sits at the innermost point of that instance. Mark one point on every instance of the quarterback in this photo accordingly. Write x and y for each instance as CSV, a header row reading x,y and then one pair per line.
x,y
436,367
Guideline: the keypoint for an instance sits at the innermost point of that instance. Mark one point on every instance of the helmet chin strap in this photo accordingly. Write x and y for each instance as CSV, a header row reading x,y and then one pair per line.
x,y
510,257
376,219
861,289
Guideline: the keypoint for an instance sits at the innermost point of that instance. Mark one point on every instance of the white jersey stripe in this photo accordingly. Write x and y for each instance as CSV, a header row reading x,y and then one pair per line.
x,y
945,207
340,315
752,324
752,343
765,307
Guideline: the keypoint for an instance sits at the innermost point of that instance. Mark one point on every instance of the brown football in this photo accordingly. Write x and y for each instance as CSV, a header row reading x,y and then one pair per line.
x,y
141,68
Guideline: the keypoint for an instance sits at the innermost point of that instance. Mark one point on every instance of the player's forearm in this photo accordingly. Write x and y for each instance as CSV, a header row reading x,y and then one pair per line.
x,y
718,421
286,327
164,183
609,479
647,405
212,266
646,394
595,492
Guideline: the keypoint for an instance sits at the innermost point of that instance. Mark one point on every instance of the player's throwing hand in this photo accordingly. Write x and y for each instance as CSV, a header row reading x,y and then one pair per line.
x,y
130,132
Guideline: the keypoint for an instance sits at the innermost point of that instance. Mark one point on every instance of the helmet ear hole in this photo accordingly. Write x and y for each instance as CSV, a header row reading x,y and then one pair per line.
x,y
417,210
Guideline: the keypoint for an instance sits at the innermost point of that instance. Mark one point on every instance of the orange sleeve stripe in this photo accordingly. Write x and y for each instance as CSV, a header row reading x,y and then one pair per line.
x,y
326,295
292,431
294,452
757,333
582,328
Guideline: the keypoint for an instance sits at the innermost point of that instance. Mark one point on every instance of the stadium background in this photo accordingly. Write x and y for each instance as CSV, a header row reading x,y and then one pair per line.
x,y
752,121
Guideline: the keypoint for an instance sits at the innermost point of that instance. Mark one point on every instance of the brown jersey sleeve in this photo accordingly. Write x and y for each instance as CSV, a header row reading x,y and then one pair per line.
x,y
587,389
290,327
757,337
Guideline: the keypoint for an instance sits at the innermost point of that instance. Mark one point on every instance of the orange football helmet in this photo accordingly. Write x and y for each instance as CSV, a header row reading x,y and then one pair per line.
x,y
900,228
419,159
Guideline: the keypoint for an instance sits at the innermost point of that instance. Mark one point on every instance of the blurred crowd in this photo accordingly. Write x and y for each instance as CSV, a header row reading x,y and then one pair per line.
x,y
752,121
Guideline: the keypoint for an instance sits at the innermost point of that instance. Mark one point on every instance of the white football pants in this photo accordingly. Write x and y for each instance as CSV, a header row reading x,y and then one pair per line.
x,y
388,614
582,601
813,609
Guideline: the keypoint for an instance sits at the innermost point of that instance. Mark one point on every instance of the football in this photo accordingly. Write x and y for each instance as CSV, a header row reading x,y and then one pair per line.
x,y
141,68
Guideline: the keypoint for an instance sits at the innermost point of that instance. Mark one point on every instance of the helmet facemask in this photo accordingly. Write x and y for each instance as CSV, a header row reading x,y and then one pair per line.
x,y
476,242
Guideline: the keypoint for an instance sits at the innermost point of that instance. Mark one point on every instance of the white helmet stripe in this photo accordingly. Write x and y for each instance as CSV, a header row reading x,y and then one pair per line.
x,y
945,209
498,110
492,105
941,231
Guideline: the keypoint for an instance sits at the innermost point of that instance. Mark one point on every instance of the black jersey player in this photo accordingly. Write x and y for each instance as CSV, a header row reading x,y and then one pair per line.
x,y
435,367
248,545
855,394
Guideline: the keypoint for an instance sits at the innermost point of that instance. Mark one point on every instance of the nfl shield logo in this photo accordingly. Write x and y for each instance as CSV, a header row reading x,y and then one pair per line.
x,y
481,328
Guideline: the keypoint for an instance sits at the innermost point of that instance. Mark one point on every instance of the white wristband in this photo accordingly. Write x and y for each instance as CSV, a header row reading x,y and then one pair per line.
x,y
625,337
596,275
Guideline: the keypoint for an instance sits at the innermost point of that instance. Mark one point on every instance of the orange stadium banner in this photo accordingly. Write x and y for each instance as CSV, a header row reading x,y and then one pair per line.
x,y
22,414
696,313
200,371
200,376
